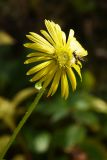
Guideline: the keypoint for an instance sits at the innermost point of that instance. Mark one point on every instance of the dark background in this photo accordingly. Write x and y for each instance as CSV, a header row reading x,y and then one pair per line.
x,y
75,129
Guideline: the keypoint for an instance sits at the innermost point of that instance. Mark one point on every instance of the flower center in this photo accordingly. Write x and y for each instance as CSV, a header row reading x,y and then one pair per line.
x,y
62,58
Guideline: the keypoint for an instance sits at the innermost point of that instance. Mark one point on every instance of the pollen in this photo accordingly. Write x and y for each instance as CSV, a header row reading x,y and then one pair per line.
x,y
62,59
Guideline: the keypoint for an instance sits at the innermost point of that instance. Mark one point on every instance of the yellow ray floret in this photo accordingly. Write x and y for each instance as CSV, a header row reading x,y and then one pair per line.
x,y
64,85
55,82
54,59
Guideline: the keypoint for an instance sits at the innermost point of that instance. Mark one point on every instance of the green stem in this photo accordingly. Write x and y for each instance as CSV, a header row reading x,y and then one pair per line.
x,y
22,122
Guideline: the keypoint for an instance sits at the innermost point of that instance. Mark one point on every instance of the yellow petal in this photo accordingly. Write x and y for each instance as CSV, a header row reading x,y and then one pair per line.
x,y
64,85
72,78
42,72
77,68
40,47
37,54
63,38
71,34
51,29
37,38
76,46
38,67
58,33
48,78
36,59
80,64
55,83
48,37
67,89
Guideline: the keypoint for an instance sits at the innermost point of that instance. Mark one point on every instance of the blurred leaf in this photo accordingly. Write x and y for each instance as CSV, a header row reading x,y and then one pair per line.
x,y
88,80
6,39
87,118
19,157
3,141
59,114
81,104
38,141
57,108
99,105
85,101
4,80
23,95
95,150
8,108
41,142
70,136
7,112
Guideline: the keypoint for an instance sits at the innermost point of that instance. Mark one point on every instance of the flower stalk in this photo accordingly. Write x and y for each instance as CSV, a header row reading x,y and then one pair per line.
x,y
22,122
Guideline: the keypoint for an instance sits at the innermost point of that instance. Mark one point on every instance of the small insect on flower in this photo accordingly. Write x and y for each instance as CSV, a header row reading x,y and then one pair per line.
x,y
78,58
57,58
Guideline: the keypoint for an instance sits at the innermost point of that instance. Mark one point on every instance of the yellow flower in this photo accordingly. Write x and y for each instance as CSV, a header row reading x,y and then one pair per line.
x,y
57,58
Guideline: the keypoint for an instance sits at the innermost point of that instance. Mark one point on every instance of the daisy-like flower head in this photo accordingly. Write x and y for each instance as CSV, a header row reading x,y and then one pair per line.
x,y
57,58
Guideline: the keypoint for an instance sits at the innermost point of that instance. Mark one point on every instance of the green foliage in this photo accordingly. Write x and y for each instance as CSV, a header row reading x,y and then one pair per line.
x,y
94,150
41,142
69,137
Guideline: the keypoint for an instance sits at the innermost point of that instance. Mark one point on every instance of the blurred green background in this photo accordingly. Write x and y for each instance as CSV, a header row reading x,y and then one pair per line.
x,y
75,129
